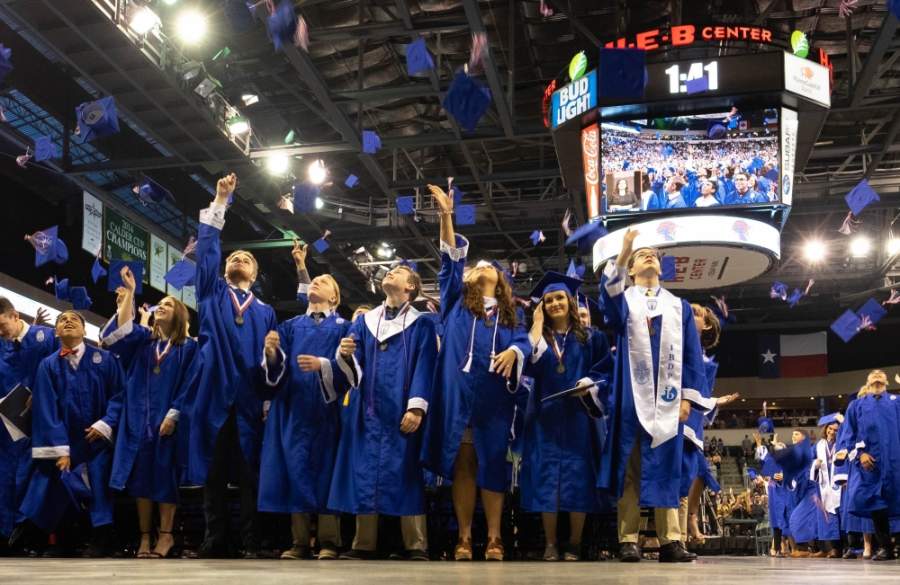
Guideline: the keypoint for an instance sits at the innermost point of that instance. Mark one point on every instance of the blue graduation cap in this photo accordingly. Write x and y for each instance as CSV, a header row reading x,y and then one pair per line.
x,y
61,288
81,301
97,270
871,310
44,149
418,59
572,271
779,290
829,419
847,325
183,273
795,297
697,85
536,237
860,197
5,61
622,73
282,24
351,181
585,236
667,266
406,205
588,303
149,191
552,282
467,101
765,425
76,486
371,142
114,279
97,119
48,247
465,215
457,195
751,474
305,194
321,245
716,131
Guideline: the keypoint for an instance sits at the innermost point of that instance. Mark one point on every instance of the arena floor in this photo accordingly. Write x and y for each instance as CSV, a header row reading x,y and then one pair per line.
x,y
707,571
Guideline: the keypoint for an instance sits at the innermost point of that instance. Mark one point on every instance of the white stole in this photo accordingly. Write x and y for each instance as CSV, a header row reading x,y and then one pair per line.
x,y
831,496
657,411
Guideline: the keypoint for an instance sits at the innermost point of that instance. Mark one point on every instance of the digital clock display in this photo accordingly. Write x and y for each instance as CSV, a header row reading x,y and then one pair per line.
x,y
678,77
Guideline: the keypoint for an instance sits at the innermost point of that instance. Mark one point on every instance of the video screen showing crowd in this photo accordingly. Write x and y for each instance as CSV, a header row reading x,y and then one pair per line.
x,y
319,417
695,161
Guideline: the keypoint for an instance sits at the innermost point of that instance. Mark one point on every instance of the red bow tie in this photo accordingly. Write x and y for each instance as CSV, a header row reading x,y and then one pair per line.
x,y
64,352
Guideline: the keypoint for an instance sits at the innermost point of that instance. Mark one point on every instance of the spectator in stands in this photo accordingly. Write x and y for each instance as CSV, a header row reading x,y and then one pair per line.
x,y
747,446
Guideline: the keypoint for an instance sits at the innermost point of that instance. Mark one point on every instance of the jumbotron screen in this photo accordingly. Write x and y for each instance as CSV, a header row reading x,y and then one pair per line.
x,y
696,161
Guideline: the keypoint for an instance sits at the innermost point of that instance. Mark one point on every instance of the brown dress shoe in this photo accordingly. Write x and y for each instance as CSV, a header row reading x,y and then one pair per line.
x,y
800,554
820,554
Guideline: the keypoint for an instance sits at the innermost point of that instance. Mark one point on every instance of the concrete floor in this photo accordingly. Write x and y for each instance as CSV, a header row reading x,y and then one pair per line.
x,y
707,571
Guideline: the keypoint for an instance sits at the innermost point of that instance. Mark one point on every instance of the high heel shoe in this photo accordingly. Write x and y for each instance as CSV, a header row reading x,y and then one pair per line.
x,y
146,554
170,552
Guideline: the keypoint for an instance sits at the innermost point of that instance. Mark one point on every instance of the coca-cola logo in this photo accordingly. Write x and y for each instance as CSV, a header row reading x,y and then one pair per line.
x,y
590,148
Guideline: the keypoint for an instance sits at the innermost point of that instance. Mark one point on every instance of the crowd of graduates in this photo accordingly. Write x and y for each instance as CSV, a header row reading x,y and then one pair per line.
x,y
318,417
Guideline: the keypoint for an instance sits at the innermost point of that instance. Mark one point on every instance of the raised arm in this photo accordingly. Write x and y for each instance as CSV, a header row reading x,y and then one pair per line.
x,y
298,253
209,250
120,336
612,285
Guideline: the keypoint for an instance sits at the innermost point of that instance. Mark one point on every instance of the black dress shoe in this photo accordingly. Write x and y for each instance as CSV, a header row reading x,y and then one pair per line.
x,y
207,550
629,552
355,554
850,554
674,553
417,554
250,554
884,554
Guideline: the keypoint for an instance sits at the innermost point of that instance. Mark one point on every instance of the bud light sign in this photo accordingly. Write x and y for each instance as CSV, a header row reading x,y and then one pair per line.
x,y
575,99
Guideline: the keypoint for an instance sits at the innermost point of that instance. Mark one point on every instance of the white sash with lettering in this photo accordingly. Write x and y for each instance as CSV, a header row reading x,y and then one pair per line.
x,y
657,411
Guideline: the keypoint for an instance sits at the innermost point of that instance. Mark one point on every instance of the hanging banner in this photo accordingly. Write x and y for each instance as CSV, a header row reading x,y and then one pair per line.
x,y
174,256
590,158
158,263
124,240
189,297
91,224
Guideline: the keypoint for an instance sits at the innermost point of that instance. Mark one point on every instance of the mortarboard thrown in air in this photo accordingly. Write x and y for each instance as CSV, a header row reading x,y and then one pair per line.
x,y
321,245
149,191
97,119
61,288
622,73
779,290
847,325
282,24
830,419
697,85
183,273
418,59
97,270
553,282
48,247
870,313
114,279
667,266
585,236
465,215
5,61
81,301
371,142
351,181
716,131
860,197
795,297
44,149
751,474
537,237
406,205
467,101
305,194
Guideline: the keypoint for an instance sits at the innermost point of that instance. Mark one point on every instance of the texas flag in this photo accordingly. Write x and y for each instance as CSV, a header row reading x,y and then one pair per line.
x,y
793,356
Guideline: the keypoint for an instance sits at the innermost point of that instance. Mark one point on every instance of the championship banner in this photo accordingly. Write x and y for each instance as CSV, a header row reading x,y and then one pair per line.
x,y
124,240
158,263
91,224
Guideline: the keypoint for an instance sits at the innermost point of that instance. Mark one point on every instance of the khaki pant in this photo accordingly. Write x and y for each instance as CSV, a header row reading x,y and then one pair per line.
x,y
629,511
329,529
413,528
683,517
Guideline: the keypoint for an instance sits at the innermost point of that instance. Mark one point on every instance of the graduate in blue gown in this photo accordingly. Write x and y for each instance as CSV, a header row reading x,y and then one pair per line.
x,y
828,524
563,438
160,365
76,408
388,357
303,425
778,497
22,348
695,474
870,442
743,194
482,358
226,418
659,377
797,462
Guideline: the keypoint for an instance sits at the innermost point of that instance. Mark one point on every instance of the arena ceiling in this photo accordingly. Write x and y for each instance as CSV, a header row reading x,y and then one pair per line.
x,y
354,78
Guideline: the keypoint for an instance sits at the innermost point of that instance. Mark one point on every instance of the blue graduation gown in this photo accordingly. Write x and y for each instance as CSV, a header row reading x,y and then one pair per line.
x,y
779,498
871,426
660,466
65,403
303,426
230,355
804,494
562,441
478,398
694,463
18,365
144,463
377,469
